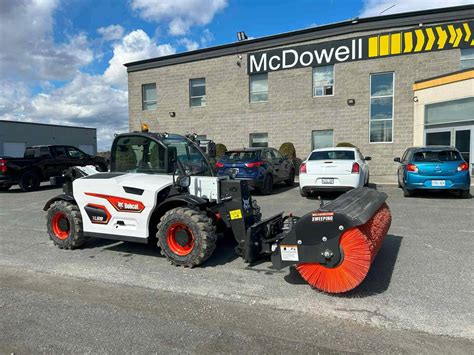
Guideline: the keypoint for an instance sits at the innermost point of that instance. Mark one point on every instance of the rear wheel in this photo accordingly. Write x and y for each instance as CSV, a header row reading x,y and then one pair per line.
x,y
408,193
29,181
291,179
5,187
464,194
186,236
64,223
267,185
367,181
303,193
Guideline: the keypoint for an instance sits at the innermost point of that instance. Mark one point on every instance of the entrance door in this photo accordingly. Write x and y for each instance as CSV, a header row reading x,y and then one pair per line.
x,y
460,137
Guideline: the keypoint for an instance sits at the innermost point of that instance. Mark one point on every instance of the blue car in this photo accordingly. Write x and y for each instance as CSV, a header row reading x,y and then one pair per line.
x,y
261,167
433,168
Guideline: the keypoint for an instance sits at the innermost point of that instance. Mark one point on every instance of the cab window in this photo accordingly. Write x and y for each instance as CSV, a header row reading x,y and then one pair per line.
x,y
75,153
59,152
139,155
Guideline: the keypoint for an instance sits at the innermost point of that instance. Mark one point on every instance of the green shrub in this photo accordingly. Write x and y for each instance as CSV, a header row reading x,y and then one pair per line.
x,y
345,144
288,149
220,150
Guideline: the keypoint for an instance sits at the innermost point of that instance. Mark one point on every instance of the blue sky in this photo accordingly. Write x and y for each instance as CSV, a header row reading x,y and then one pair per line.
x,y
62,60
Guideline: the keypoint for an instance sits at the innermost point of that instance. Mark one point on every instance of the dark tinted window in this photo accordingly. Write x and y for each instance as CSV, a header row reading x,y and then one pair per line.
x,y
332,155
59,152
240,156
29,153
44,152
436,156
75,153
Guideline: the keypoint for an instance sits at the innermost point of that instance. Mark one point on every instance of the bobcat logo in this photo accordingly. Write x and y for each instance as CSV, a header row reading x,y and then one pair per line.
x,y
246,204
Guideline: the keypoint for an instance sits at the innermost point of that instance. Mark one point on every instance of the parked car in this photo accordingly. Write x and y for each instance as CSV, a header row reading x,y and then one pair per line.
x,y
433,168
333,169
261,167
41,163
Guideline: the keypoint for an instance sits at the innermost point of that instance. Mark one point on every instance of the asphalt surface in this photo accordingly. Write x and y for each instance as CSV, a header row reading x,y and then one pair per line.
x,y
111,296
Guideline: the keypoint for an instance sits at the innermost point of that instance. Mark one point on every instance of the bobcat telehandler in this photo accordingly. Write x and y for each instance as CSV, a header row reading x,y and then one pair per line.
x,y
162,189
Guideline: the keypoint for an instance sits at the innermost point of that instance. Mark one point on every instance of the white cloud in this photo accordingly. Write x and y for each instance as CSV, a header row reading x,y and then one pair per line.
x,y
180,15
206,37
375,7
134,46
28,48
111,33
189,44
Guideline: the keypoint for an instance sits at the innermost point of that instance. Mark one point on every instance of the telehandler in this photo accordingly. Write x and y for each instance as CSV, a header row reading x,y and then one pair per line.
x,y
162,189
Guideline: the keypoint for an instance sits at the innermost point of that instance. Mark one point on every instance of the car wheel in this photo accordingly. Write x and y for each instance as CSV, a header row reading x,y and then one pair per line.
x,y
367,182
291,179
399,183
5,187
101,167
408,193
303,193
464,194
29,181
267,185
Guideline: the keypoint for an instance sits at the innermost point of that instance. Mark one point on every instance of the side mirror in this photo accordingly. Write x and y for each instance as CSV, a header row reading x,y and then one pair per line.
x,y
172,159
211,149
396,160
368,158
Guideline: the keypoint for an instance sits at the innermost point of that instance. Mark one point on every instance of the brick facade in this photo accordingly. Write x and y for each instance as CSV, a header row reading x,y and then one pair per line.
x,y
291,112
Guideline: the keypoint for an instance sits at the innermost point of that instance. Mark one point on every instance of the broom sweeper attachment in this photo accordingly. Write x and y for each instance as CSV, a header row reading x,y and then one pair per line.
x,y
332,247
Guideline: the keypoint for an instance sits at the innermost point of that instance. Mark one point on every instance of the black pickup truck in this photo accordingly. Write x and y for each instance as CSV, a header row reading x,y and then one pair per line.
x,y
40,163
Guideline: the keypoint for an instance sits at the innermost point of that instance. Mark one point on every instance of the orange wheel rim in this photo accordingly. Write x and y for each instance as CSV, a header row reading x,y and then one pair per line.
x,y
60,225
180,239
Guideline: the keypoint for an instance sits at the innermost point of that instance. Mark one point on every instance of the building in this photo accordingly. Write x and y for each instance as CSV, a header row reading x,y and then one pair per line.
x,y
382,83
15,136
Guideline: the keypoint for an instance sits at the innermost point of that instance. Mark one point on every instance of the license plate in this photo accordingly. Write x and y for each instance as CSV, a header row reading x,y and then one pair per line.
x,y
233,171
327,181
438,183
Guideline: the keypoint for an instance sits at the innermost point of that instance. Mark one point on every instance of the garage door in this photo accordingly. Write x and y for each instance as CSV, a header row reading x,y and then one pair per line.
x,y
14,149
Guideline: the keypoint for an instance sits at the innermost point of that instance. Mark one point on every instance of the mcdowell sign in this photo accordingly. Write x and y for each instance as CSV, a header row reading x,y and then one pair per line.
x,y
422,39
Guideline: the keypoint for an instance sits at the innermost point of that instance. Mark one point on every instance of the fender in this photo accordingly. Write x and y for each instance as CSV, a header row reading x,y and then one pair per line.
x,y
62,197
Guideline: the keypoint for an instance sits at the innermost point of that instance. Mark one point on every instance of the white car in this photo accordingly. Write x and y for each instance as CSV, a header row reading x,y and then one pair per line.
x,y
333,169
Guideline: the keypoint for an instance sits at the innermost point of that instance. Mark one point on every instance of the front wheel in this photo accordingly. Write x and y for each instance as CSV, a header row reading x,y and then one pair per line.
x,y
29,181
64,223
186,236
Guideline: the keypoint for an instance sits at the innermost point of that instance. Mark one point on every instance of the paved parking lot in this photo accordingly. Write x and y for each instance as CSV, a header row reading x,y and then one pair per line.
x,y
421,280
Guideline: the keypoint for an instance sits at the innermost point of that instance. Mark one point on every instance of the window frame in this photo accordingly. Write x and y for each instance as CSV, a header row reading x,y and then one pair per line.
x,y
333,79
250,140
250,88
383,96
199,96
145,102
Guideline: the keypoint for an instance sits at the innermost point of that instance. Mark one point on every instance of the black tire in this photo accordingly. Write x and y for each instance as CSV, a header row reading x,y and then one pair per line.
x,y
291,179
408,193
368,181
399,183
64,223
5,187
102,168
303,193
29,181
267,187
197,233
464,194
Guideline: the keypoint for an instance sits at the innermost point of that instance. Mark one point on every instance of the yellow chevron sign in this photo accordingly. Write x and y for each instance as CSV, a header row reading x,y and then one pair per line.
x,y
422,39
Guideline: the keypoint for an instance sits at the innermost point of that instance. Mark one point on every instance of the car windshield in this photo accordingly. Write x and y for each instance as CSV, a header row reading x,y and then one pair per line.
x,y
189,155
436,156
237,156
332,155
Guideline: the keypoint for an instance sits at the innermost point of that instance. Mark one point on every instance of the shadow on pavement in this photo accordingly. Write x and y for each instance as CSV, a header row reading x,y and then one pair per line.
x,y
16,189
379,276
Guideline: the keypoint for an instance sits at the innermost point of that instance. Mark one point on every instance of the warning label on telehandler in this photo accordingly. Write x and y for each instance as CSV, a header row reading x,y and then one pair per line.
x,y
289,252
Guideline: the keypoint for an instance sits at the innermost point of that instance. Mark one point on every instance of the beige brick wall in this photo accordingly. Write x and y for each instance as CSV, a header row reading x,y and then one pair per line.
x,y
291,112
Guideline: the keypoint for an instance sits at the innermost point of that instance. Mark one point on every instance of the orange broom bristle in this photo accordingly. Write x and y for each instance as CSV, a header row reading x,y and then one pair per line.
x,y
359,246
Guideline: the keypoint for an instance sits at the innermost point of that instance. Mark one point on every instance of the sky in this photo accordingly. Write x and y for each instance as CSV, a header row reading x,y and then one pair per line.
x,y
61,61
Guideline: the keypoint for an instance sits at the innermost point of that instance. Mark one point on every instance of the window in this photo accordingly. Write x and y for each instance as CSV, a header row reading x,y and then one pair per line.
x,y
323,81
381,107
258,140
197,92
323,139
139,154
333,155
59,152
44,152
467,58
149,101
75,153
450,111
259,87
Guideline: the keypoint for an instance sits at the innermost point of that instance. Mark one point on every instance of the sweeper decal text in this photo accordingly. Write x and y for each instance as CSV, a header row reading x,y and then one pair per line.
x,y
322,217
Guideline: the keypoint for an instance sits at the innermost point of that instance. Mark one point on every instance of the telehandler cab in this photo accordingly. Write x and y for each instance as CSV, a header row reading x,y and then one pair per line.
x,y
162,189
